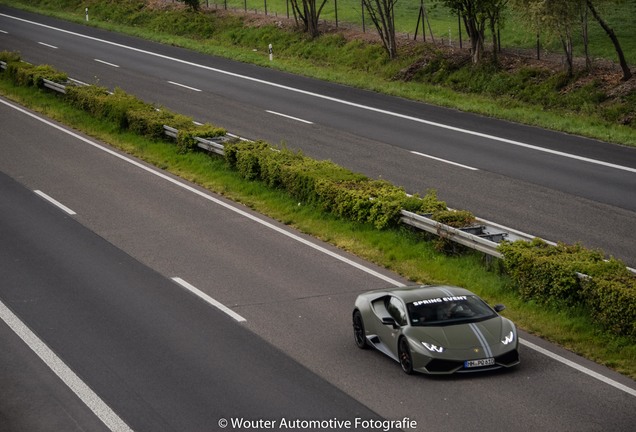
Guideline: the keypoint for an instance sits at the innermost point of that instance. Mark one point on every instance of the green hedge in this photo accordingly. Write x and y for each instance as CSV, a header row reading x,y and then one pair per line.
x,y
573,276
332,188
26,74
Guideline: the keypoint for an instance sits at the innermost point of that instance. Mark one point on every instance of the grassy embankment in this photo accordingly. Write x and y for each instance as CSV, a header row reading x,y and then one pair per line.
x,y
400,250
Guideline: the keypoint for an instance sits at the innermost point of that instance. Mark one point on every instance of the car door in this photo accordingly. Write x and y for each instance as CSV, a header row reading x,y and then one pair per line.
x,y
391,333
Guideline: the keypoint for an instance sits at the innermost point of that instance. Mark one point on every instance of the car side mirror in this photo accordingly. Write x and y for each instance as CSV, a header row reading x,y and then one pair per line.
x,y
499,307
389,321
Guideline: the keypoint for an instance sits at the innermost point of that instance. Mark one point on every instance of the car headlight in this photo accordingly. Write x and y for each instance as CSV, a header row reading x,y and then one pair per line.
x,y
432,347
509,338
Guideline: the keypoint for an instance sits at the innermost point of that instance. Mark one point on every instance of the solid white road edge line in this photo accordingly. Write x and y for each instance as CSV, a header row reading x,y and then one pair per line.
x,y
68,377
232,208
336,100
194,290
445,161
55,202
289,117
578,367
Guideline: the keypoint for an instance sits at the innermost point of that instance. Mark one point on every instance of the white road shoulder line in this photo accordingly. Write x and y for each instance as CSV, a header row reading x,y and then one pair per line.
x,y
289,117
47,45
106,63
578,367
185,86
445,161
55,202
208,299
70,379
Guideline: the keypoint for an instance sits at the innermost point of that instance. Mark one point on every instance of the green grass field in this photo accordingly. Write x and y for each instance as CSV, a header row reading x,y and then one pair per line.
x,y
445,27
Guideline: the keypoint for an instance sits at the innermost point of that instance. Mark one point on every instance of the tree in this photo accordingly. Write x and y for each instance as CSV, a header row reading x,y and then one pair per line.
x,y
309,13
627,73
557,18
476,14
194,4
382,15
495,19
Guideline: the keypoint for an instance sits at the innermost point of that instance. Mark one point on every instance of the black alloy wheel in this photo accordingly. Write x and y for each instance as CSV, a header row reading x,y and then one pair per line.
x,y
359,334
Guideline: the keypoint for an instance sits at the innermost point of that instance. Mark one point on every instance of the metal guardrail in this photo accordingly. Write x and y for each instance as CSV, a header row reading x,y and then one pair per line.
x,y
479,237
54,86
484,236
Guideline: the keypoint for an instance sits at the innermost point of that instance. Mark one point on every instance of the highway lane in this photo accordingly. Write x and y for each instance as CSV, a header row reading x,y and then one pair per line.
x,y
521,187
159,357
296,297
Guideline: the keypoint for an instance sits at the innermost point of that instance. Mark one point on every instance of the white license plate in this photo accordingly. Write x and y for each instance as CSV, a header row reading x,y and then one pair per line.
x,y
479,363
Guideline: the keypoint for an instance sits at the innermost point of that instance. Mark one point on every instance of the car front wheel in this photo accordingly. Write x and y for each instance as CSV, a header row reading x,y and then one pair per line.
x,y
404,354
359,334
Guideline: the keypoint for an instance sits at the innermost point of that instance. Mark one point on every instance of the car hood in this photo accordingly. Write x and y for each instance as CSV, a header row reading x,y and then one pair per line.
x,y
463,335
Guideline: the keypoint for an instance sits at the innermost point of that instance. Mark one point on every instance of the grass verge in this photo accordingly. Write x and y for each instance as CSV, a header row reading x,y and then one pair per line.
x,y
401,250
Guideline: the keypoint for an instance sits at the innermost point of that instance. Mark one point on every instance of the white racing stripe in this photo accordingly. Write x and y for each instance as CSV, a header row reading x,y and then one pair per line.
x,y
70,379
482,339
336,100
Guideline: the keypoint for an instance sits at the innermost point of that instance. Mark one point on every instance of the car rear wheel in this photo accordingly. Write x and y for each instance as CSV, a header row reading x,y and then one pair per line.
x,y
359,334
404,353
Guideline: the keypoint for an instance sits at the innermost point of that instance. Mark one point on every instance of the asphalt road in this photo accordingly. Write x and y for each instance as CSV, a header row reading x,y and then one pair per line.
x,y
98,287
157,355
553,185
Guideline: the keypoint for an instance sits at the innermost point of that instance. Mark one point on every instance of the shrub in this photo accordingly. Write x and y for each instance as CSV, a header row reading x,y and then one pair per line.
x,y
186,137
332,188
25,74
572,275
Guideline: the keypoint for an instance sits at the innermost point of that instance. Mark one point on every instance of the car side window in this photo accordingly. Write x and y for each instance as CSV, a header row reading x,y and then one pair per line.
x,y
397,310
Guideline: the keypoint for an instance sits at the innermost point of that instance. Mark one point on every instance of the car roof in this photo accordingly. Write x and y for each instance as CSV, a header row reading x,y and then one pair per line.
x,y
410,294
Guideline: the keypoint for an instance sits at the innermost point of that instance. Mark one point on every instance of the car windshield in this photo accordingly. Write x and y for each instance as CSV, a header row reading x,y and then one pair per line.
x,y
448,310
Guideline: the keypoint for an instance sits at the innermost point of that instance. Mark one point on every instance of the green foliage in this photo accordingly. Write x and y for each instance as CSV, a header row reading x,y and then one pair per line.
x,y
25,74
100,103
332,188
128,112
186,136
148,121
573,276
454,218
9,56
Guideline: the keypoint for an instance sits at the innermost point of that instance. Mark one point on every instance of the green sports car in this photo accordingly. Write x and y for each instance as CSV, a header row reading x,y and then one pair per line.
x,y
435,329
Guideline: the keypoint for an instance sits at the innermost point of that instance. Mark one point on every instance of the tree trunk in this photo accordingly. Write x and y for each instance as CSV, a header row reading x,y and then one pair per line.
x,y
627,73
